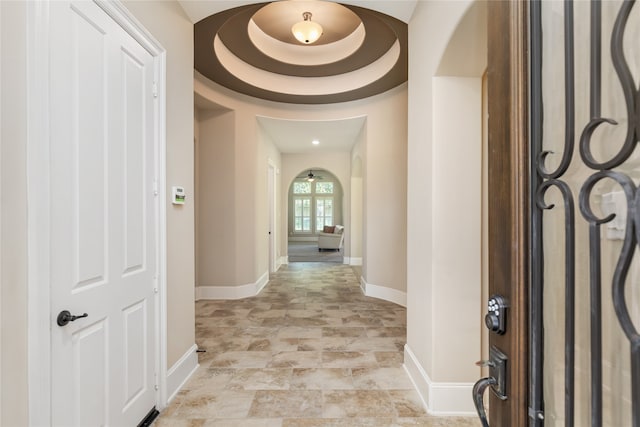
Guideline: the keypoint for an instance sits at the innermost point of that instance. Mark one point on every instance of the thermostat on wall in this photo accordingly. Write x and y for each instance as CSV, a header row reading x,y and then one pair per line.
x,y
178,195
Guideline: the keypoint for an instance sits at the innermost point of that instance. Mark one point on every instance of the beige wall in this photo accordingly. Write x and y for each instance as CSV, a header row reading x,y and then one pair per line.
x,y
167,22
457,219
444,193
196,144
358,171
234,220
386,152
267,153
13,216
216,250
385,200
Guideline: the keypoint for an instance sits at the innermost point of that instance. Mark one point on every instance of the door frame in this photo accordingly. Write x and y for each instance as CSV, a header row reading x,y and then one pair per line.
x,y
38,199
509,195
271,203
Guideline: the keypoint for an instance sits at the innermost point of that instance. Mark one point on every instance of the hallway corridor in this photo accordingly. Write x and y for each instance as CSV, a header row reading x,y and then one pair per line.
x,y
310,350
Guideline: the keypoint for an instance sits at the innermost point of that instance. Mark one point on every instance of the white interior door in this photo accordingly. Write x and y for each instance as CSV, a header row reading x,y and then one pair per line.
x,y
103,220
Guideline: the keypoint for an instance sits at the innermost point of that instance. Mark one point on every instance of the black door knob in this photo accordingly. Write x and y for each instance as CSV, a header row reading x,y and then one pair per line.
x,y
65,317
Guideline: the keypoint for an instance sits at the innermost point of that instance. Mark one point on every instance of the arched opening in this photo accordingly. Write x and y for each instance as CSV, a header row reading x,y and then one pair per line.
x,y
315,225
446,207
460,190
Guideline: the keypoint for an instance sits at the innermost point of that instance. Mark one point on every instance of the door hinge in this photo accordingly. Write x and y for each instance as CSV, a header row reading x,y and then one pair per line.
x,y
155,89
156,388
155,188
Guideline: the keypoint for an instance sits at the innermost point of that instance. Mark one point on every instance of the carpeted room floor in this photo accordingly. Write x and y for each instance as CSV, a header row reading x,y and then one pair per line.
x,y
308,252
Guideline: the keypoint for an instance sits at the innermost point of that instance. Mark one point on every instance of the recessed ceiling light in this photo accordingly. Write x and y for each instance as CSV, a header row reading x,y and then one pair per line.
x,y
315,142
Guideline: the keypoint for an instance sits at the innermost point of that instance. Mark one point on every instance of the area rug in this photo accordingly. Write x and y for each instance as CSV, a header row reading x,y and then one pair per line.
x,y
308,252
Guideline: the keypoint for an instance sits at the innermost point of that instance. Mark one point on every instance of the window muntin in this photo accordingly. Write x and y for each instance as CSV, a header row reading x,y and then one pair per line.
x,y
313,206
324,212
324,188
302,214
302,188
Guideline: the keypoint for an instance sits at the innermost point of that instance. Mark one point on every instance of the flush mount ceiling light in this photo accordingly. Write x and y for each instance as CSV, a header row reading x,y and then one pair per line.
x,y
306,31
315,142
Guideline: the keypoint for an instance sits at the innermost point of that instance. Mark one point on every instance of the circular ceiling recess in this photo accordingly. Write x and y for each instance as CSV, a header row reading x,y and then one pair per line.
x,y
252,50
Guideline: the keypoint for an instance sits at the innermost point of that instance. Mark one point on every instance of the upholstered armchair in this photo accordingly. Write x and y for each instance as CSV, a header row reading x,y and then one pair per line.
x,y
331,238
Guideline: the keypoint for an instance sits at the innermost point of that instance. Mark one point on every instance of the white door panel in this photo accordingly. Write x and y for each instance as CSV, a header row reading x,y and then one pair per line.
x,y
91,373
103,240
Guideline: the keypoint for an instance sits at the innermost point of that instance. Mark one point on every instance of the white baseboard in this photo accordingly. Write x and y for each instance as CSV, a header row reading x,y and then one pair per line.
x,y
232,292
181,371
353,260
441,399
262,282
384,293
283,260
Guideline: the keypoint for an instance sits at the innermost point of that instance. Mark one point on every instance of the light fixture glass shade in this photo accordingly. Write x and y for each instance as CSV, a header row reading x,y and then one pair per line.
x,y
307,31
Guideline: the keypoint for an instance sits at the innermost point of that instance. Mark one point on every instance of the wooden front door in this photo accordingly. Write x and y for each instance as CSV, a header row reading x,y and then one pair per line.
x,y
508,211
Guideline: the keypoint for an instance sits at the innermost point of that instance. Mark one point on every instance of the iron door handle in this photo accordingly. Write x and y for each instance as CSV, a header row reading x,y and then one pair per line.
x,y
65,317
478,397
497,380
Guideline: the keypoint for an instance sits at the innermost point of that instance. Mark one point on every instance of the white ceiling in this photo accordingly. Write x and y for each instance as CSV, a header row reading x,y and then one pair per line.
x,y
295,136
200,9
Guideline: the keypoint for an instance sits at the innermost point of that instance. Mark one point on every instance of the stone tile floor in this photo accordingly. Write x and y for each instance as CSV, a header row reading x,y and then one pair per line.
x,y
310,350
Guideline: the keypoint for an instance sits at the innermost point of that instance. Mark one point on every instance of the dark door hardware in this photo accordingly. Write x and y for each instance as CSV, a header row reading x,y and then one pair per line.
x,y
496,317
478,398
497,380
65,317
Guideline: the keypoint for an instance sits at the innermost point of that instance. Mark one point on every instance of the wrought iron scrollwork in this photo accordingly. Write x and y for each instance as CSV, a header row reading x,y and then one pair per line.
x,y
545,179
570,289
595,275
569,95
631,97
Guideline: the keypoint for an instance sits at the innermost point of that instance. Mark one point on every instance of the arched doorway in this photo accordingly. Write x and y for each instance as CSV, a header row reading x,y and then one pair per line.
x,y
315,226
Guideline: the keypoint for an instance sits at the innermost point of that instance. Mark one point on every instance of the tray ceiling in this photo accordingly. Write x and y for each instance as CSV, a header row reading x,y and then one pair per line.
x,y
250,49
